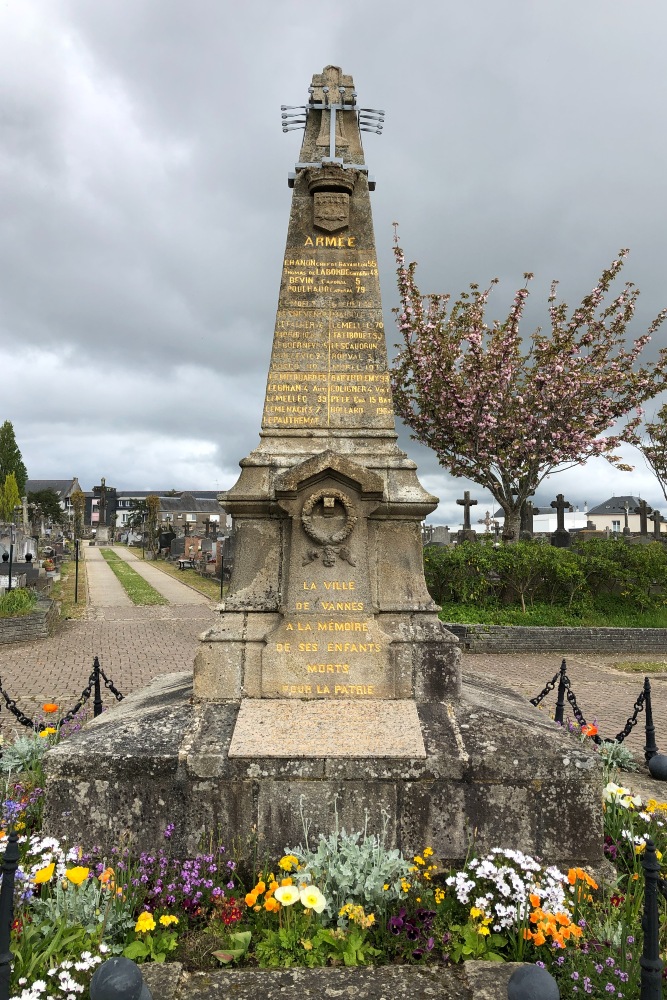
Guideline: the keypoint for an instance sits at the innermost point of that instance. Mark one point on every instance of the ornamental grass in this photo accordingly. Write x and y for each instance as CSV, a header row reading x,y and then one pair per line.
x,y
346,900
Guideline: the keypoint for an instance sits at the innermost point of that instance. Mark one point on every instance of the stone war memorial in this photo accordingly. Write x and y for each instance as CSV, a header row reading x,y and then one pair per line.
x,y
328,687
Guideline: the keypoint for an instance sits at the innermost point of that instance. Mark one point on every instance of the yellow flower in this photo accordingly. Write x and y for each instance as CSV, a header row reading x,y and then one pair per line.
x,y
288,863
385,886
483,929
428,851
49,731
476,912
44,874
168,919
439,896
419,860
77,875
144,923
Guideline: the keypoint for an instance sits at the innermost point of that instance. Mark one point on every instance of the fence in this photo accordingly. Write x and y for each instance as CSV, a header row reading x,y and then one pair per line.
x,y
93,687
642,704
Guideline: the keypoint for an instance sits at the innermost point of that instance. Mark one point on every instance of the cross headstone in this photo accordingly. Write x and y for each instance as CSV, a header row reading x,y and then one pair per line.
x,y
527,514
560,538
487,521
626,526
643,510
466,503
467,534
656,518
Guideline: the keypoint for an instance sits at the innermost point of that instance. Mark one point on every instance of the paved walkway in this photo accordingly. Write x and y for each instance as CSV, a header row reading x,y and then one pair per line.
x,y
134,644
173,590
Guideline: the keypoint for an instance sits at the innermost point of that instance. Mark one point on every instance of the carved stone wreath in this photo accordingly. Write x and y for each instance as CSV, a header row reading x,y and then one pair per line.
x,y
342,533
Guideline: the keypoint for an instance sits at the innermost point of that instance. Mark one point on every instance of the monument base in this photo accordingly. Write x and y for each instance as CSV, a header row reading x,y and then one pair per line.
x,y
487,767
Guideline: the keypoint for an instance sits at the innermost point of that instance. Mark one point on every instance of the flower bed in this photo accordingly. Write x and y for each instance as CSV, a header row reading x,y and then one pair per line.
x,y
345,900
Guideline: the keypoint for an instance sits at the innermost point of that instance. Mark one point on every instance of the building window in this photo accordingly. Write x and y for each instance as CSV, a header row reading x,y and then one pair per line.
x,y
616,526
190,517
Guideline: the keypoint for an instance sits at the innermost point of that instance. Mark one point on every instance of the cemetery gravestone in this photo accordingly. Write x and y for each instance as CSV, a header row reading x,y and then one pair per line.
x,y
329,684
561,537
467,534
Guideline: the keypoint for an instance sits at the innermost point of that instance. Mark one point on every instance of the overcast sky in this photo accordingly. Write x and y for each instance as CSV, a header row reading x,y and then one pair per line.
x,y
144,202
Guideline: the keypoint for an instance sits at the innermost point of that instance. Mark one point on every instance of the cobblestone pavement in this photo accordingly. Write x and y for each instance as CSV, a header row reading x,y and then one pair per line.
x,y
604,694
134,644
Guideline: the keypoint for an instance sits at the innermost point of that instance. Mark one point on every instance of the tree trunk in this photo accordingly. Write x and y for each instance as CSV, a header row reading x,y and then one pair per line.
x,y
512,526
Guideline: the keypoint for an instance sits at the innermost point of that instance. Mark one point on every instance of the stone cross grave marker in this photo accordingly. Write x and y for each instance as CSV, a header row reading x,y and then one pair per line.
x,y
655,517
643,510
560,537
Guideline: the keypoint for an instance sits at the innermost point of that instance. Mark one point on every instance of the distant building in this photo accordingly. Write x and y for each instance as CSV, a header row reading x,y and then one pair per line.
x,y
191,511
611,514
63,488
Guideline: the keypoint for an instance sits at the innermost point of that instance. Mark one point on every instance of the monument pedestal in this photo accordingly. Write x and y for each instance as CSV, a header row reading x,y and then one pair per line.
x,y
486,768
329,686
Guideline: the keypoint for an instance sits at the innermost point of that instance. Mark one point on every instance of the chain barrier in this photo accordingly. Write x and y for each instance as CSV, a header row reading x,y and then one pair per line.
x,y
579,715
549,687
92,686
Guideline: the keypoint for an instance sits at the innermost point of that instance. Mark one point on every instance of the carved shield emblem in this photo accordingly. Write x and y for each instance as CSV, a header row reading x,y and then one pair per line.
x,y
331,210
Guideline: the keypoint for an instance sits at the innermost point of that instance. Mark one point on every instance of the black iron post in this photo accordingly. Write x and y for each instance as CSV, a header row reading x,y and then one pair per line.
x,y
650,748
76,571
650,961
97,700
9,865
560,701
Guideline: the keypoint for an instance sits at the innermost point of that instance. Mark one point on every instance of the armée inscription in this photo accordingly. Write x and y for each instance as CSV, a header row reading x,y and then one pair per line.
x,y
330,241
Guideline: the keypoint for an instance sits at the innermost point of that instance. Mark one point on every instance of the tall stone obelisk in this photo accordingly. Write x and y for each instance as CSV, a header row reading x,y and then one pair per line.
x,y
327,597
329,689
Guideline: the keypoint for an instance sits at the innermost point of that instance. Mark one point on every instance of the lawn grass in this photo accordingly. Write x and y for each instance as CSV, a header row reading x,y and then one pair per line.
x,y
137,589
641,667
205,585
608,613
63,590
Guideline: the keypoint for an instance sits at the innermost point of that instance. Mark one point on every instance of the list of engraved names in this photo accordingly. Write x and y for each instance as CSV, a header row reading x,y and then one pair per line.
x,y
329,362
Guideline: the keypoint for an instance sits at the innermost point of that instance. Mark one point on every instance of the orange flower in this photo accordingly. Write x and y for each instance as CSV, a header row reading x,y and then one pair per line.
x,y
286,881
49,707
259,888
589,729
271,905
538,938
250,899
563,919
534,899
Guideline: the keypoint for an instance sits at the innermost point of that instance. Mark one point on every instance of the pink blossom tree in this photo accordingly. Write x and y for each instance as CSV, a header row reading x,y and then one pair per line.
x,y
653,446
505,413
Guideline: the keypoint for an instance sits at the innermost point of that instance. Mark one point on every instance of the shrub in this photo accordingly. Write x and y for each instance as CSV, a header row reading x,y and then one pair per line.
x,y
17,602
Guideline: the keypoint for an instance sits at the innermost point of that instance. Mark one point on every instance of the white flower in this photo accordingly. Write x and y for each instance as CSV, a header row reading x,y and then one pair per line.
x,y
287,895
312,898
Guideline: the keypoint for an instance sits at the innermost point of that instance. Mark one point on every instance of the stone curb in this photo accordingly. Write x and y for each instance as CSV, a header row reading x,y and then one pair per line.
x,y
536,639
469,981
39,624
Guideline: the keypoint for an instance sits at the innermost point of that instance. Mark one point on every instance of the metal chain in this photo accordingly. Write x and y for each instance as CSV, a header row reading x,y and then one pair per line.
x,y
109,684
550,686
83,698
579,715
13,708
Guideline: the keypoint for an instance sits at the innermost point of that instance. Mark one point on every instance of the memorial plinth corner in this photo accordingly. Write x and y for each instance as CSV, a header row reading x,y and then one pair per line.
x,y
328,682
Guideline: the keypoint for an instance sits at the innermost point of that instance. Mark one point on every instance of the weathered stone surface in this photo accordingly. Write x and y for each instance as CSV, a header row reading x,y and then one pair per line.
x,y
284,728
470,981
505,771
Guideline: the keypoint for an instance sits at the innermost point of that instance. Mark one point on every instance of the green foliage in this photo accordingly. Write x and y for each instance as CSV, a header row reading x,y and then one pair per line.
x,y
10,498
17,602
353,868
597,575
10,458
97,910
24,754
469,945
46,503
78,501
